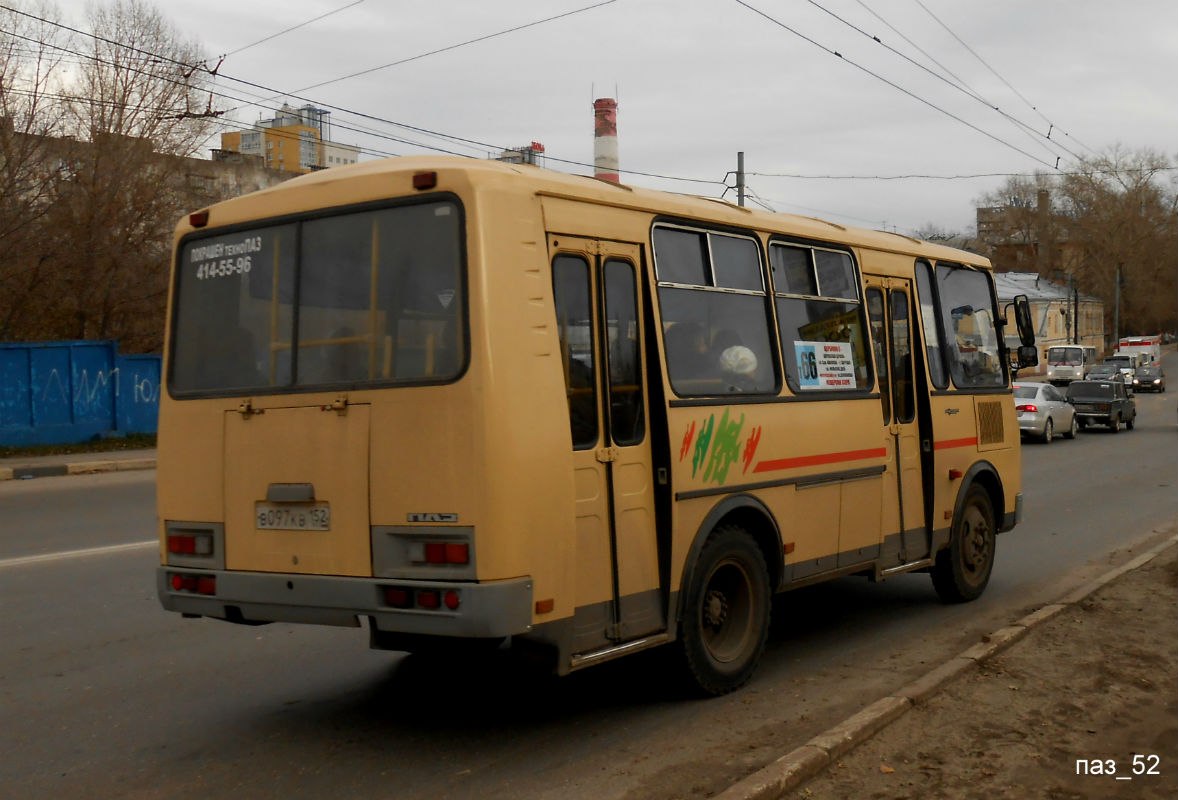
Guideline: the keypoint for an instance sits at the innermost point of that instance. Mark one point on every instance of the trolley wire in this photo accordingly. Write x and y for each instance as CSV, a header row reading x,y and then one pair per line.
x,y
1019,94
291,28
957,83
189,70
891,83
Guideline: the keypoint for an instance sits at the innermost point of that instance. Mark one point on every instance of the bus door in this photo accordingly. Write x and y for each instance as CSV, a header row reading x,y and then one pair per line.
x,y
599,314
890,309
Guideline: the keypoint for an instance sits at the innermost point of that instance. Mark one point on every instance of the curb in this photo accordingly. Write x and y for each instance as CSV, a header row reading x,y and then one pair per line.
x,y
803,763
77,468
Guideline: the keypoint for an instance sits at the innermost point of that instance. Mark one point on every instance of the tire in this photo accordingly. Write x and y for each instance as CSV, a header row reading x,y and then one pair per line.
x,y
1115,423
725,617
1129,423
1075,427
1048,431
962,570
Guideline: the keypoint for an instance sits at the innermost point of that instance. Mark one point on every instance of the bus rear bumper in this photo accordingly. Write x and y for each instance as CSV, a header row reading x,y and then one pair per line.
x,y
483,610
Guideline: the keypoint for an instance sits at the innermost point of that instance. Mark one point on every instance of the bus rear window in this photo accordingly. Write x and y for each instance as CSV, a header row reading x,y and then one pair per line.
x,y
378,294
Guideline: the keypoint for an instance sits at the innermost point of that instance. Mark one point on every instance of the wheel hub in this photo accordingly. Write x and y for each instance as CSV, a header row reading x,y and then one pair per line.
x,y
975,544
715,608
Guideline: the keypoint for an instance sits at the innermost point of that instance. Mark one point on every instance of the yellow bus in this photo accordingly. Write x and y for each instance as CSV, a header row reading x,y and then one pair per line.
x,y
465,402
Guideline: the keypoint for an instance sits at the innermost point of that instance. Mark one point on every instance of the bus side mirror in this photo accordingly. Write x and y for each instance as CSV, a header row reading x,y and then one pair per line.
x,y
1026,328
1028,356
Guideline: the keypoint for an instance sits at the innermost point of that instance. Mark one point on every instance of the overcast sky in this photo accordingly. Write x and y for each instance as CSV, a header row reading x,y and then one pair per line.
x,y
699,80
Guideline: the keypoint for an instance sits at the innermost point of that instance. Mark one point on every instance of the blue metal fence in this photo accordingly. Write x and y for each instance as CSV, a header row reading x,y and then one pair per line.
x,y
64,392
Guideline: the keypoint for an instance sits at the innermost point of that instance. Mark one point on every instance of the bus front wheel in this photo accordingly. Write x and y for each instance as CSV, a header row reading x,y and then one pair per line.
x,y
725,619
962,570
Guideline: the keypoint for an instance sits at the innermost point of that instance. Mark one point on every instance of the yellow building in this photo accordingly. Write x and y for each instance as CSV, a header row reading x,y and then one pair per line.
x,y
295,140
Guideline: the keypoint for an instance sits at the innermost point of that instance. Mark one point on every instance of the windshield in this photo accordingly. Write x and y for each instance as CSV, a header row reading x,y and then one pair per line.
x,y
1065,356
378,295
972,339
1099,391
1025,392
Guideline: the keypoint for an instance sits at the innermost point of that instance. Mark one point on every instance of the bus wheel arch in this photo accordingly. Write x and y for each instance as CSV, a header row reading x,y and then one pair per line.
x,y
749,513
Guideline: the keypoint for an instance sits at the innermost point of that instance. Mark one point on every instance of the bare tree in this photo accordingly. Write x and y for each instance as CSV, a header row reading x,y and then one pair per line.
x,y
1110,215
140,103
1124,224
1012,217
31,120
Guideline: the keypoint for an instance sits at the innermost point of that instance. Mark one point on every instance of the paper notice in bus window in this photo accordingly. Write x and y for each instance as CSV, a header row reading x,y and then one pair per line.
x,y
825,365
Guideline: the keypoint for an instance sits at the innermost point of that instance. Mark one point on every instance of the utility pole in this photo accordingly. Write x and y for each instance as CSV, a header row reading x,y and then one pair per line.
x,y
1075,310
1117,309
740,179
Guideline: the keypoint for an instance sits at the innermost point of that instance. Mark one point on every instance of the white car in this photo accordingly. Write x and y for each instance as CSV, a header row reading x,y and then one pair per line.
x,y
1043,411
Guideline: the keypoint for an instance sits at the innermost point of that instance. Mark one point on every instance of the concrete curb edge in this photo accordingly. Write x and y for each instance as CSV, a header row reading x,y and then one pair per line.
x,y
24,472
803,763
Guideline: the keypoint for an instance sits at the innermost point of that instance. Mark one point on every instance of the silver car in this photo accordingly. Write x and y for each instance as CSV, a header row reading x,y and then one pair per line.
x,y
1043,411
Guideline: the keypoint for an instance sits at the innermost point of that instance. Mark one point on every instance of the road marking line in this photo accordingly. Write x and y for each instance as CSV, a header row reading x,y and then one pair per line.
x,y
89,551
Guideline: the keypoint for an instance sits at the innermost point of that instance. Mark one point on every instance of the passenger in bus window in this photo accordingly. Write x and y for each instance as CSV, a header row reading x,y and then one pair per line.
x,y
738,367
737,364
687,350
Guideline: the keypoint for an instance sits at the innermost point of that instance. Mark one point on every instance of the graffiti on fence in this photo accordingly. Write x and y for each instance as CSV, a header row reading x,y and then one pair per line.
x,y
70,391
92,391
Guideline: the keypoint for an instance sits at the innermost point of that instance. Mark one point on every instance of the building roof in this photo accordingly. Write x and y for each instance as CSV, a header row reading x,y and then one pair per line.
x,y
1009,284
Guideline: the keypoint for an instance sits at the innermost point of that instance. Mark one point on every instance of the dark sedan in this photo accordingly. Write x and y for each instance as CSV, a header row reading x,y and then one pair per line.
x,y
1149,379
1102,372
1102,403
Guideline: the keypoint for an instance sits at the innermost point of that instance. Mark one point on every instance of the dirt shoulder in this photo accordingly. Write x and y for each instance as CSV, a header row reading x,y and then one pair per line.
x,y
1097,682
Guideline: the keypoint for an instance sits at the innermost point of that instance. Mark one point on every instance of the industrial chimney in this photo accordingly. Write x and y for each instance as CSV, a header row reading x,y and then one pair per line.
x,y
605,139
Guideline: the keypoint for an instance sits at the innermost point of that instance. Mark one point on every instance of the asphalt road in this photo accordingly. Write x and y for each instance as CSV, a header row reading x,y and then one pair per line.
x,y
104,693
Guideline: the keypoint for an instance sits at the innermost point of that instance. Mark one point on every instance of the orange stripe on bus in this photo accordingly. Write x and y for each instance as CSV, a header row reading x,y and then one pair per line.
x,y
821,458
948,444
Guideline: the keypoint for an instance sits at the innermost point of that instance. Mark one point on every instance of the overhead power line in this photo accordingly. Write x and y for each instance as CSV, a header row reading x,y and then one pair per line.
x,y
957,83
436,51
893,84
1032,106
448,48
188,69
291,28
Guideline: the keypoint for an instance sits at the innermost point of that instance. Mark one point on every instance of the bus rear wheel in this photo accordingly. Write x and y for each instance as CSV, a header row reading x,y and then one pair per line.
x,y
962,570
725,619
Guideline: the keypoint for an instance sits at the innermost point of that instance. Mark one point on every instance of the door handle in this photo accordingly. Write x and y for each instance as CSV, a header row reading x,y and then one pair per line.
x,y
247,410
338,405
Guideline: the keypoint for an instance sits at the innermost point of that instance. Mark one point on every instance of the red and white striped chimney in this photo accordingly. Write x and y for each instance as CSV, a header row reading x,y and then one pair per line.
x,y
605,139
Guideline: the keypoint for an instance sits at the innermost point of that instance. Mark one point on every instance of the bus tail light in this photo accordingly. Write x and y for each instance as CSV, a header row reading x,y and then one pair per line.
x,y
190,544
433,553
398,597
405,597
442,553
194,584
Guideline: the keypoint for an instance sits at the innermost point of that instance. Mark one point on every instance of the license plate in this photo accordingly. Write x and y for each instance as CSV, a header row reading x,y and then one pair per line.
x,y
284,517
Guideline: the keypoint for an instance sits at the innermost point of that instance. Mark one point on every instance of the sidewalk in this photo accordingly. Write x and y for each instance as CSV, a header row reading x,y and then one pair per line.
x,y
1046,708
25,467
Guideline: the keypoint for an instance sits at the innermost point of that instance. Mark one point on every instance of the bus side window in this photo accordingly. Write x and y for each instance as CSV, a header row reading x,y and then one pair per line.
x,y
571,291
